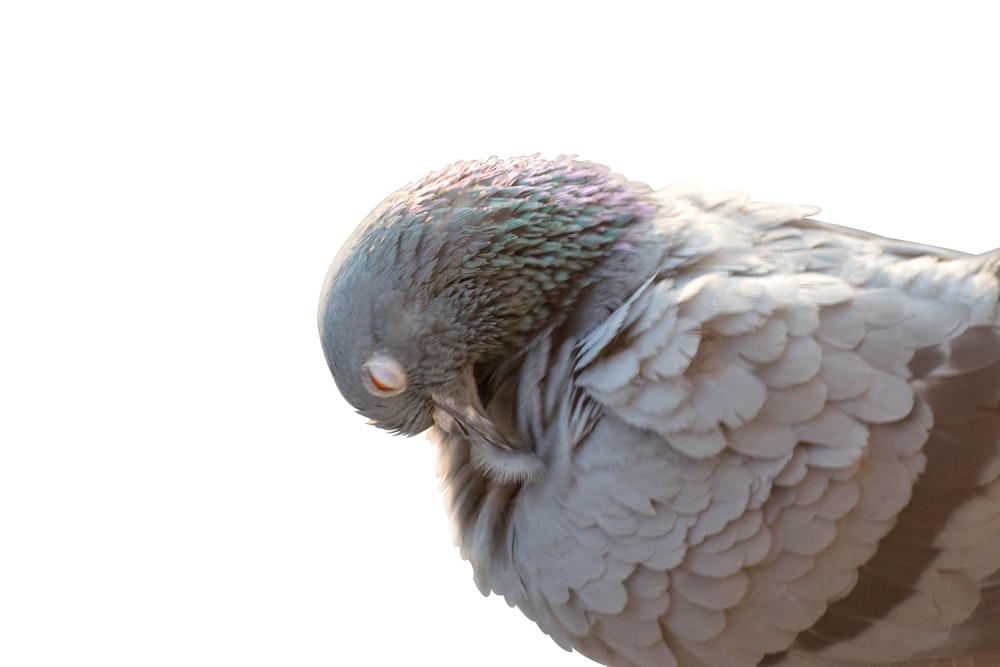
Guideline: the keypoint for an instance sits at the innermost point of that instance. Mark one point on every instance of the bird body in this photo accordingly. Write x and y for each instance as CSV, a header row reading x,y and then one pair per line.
x,y
679,428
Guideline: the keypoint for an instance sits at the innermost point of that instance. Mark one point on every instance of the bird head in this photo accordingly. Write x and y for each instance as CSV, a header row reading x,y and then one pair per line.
x,y
458,271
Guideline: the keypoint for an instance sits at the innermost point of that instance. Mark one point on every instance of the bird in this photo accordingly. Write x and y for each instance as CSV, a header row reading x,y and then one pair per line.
x,y
678,427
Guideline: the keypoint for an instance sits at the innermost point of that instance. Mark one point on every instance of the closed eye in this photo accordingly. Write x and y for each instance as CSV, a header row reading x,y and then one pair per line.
x,y
384,376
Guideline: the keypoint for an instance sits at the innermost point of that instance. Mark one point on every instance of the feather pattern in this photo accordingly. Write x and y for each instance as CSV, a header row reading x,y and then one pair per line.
x,y
746,371
777,443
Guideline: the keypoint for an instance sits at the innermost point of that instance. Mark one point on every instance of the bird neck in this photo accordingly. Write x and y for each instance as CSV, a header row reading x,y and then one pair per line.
x,y
519,242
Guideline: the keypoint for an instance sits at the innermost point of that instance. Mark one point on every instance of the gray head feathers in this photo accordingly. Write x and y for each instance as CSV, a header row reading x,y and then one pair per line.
x,y
460,268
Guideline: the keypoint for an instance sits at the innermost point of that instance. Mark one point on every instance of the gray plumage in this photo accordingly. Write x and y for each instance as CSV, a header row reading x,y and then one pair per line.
x,y
679,428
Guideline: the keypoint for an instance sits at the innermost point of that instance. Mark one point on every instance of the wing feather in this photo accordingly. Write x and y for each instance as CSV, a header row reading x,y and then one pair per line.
x,y
750,485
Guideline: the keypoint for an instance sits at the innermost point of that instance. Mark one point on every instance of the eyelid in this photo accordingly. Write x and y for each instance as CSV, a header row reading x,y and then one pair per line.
x,y
378,383
384,376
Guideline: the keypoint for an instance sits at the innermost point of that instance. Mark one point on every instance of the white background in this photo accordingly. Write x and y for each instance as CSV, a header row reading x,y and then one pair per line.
x,y
180,483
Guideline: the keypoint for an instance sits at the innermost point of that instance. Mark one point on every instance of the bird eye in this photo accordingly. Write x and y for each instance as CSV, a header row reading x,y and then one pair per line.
x,y
385,376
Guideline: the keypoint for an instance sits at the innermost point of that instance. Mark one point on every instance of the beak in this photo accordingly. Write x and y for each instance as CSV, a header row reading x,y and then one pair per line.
x,y
475,425
492,453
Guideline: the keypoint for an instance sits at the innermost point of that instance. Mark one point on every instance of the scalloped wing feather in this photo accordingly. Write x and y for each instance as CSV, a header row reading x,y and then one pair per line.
x,y
790,455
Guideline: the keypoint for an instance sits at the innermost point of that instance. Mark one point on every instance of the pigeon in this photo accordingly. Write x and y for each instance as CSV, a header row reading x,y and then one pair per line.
x,y
687,428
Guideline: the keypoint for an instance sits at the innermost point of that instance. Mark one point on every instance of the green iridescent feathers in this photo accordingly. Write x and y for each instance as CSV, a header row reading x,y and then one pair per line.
x,y
509,243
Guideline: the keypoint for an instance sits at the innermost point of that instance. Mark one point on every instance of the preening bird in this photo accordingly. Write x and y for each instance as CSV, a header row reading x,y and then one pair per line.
x,y
684,428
